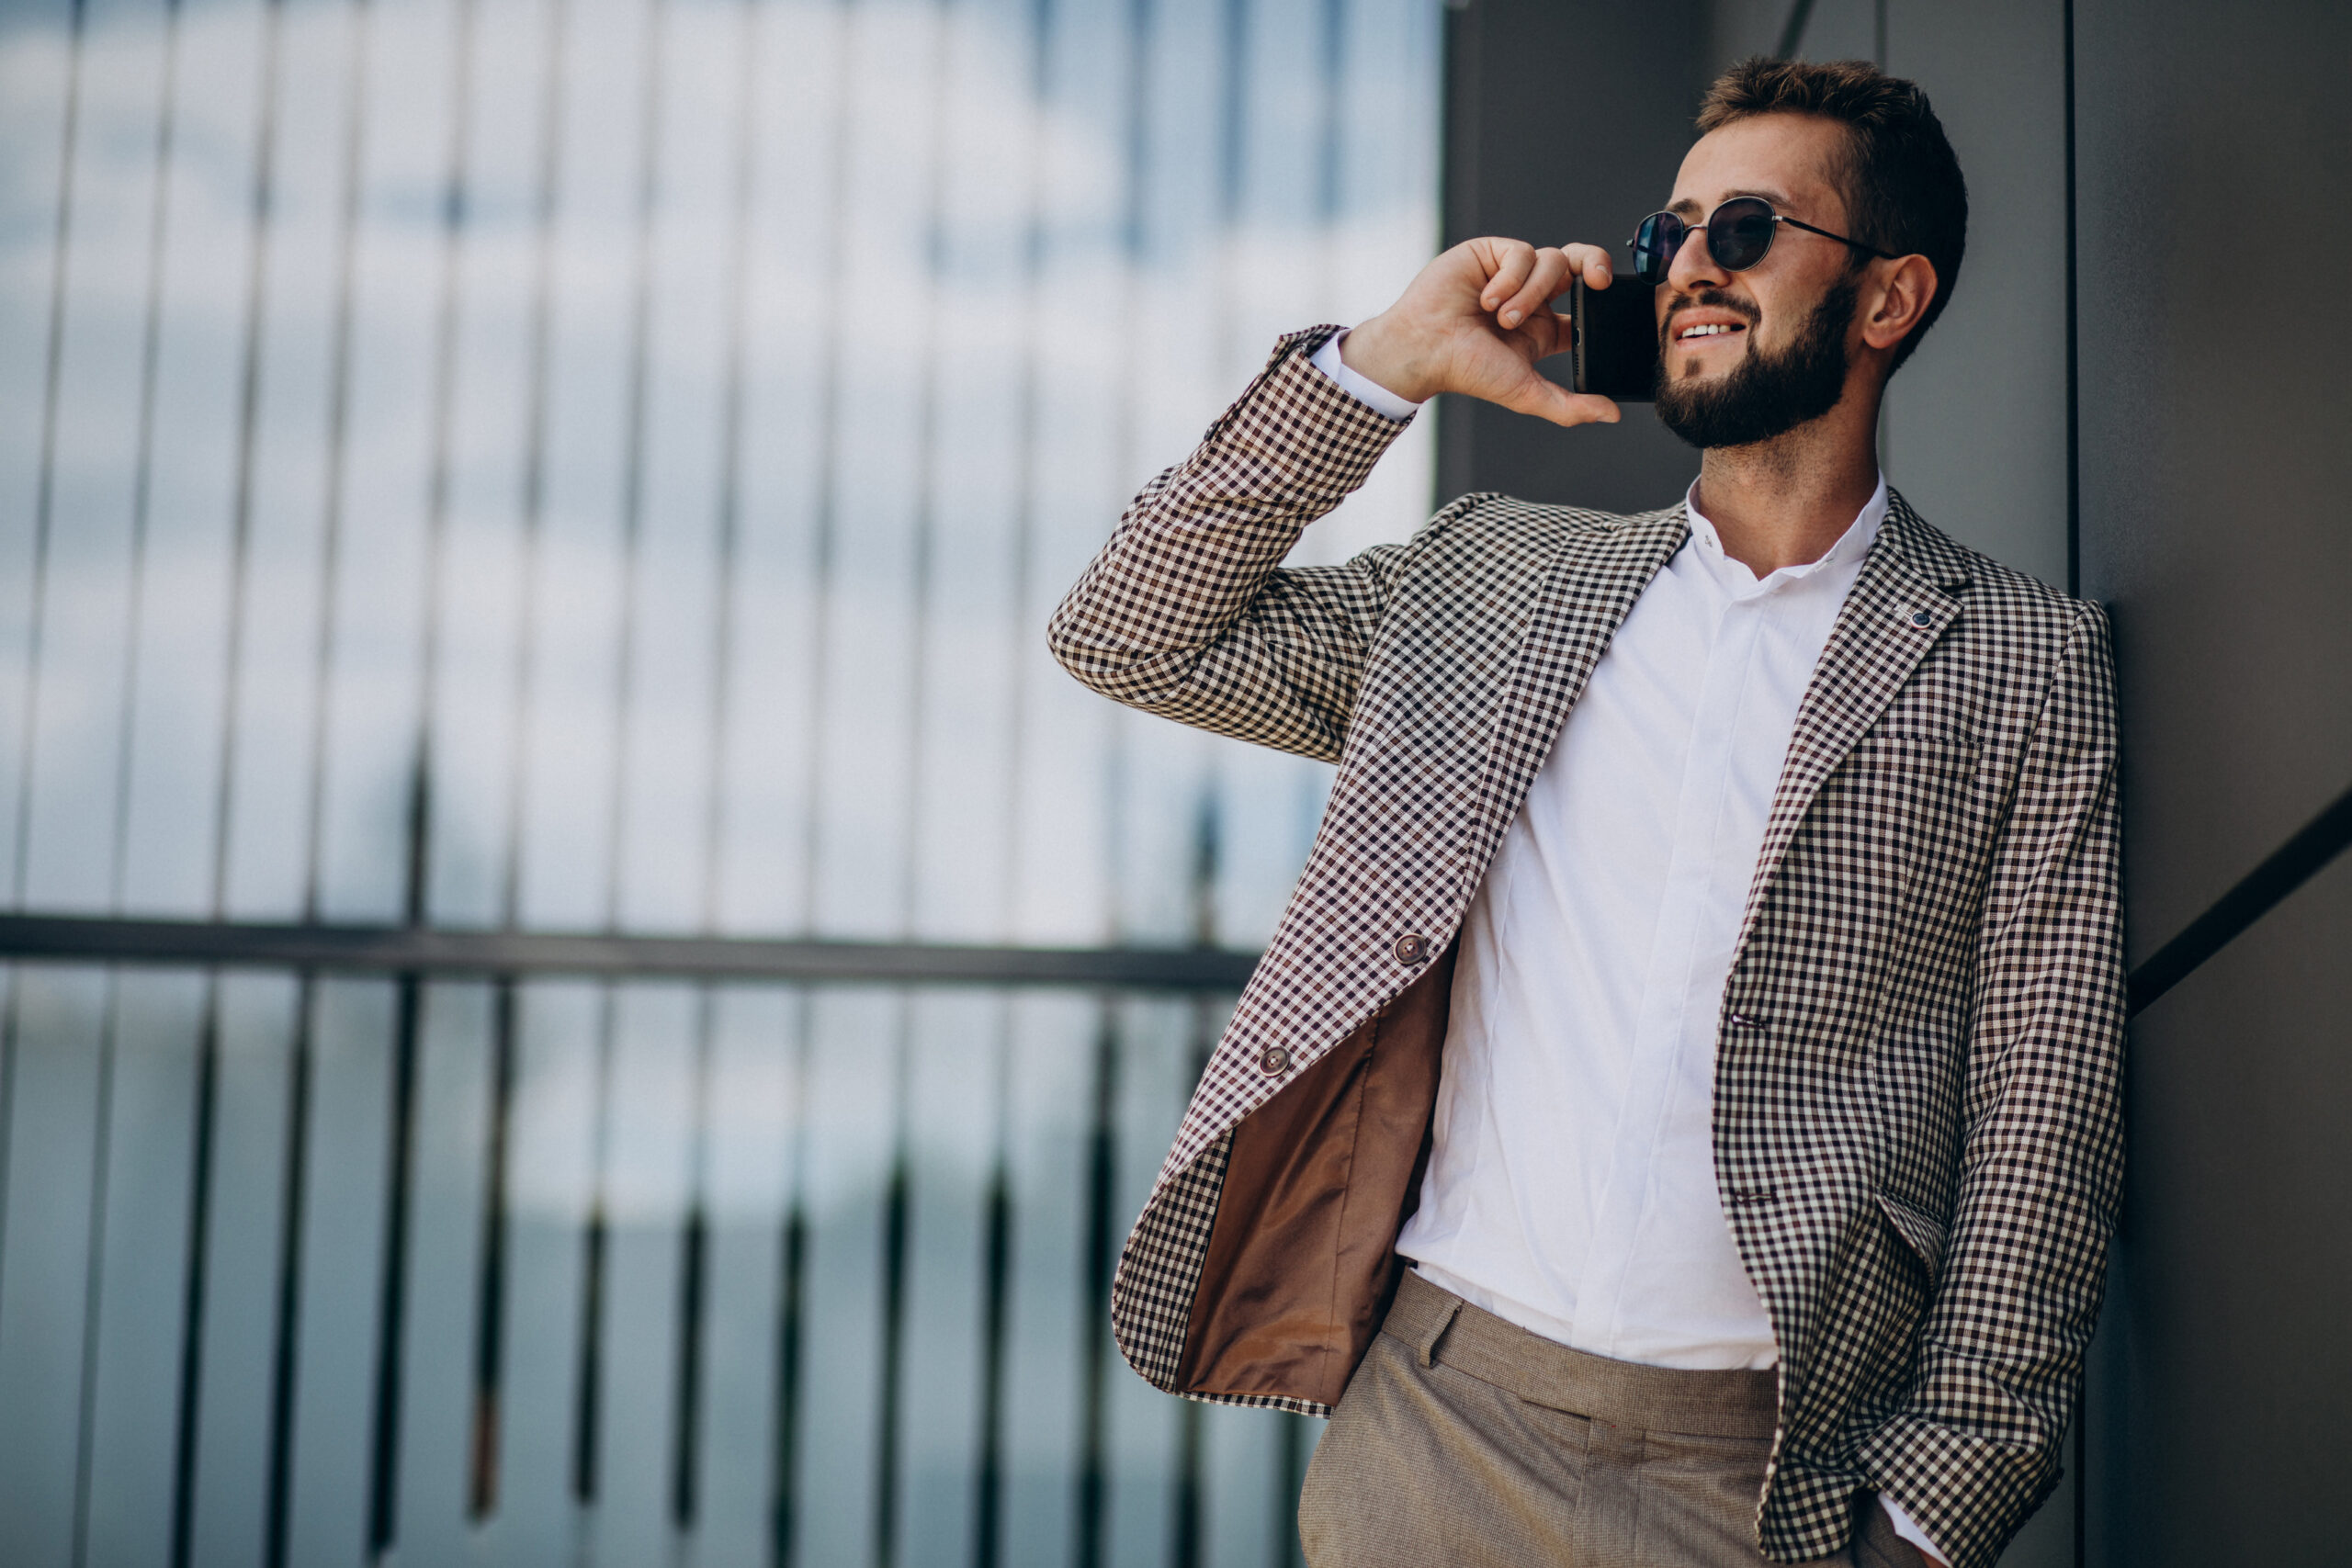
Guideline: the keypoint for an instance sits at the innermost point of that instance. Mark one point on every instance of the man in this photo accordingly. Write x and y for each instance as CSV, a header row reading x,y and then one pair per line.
x,y
1676,1118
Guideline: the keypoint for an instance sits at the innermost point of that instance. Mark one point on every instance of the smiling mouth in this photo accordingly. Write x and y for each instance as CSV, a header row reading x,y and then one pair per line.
x,y
1707,331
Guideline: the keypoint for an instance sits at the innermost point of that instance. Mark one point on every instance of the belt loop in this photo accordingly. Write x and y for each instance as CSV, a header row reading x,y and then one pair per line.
x,y
1436,1330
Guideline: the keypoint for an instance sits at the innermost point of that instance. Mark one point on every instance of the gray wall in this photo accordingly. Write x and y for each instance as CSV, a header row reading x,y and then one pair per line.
x,y
2218,1385
2214,416
1975,424
2214,524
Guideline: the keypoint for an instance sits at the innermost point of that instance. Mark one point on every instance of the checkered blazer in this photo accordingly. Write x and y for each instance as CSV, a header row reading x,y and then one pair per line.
x,y
1917,1120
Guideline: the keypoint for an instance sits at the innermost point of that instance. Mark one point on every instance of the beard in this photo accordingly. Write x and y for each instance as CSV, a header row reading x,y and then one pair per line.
x,y
1765,395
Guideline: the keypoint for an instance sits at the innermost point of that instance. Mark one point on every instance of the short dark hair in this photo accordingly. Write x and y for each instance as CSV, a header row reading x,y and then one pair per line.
x,y
1901,181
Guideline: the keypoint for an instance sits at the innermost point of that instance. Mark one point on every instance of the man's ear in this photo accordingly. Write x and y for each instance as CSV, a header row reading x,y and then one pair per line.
x,y
1895,309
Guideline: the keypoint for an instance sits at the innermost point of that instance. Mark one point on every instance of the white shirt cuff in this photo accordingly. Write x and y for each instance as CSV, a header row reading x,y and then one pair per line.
x,y
1363,388
1910,1532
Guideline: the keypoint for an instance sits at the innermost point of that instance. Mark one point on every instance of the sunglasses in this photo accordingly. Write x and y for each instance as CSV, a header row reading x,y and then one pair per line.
x,y
1739,235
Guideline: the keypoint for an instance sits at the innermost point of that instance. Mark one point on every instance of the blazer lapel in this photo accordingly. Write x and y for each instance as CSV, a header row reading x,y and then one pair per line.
x,y
1587,589
1898,608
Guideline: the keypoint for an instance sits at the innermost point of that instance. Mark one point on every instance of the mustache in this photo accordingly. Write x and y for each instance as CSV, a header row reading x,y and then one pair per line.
x,y
1712,298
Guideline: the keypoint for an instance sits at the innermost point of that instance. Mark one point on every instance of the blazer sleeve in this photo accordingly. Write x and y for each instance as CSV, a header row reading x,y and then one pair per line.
x,y
1189,613
1975,1449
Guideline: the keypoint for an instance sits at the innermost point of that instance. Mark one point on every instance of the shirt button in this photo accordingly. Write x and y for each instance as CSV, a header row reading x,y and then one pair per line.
x,y
1274,1061
1921,617
1411,948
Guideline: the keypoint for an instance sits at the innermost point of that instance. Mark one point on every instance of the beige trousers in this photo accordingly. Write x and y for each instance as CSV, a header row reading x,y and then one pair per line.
x,y
1466,1440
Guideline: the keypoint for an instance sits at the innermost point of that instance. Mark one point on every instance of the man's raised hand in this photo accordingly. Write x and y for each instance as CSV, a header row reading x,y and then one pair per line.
x,y
1475,321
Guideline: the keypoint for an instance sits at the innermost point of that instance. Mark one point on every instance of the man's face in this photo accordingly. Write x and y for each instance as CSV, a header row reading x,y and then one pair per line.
x,y
1750,355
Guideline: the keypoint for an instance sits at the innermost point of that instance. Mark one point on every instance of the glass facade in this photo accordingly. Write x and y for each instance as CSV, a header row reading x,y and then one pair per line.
x,y
493,467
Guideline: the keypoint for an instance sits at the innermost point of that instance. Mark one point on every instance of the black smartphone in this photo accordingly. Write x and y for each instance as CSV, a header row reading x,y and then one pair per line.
x,y
1616,331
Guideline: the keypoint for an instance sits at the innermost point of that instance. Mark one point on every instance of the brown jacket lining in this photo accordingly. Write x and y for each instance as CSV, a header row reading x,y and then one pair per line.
x,y
1301,1261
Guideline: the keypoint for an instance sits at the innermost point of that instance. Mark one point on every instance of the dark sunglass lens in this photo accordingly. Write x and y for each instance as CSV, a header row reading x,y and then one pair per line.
x,y
1739,232
1655,245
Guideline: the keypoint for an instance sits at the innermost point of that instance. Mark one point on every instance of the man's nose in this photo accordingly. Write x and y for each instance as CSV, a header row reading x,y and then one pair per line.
x,y
1694,265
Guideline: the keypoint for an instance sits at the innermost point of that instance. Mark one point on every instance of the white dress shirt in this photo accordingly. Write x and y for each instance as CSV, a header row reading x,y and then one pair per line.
x,y
1571,1184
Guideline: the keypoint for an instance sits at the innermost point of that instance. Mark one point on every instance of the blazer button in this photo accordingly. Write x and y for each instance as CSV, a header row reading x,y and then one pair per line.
x,y
1744,1020
1922,617
1411,948
1274,1061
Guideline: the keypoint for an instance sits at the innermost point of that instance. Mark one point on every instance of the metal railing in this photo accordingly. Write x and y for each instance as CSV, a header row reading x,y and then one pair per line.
x,y
518,1269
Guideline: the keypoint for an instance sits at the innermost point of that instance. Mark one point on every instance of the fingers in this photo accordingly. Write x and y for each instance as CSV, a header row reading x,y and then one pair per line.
x,y
1548,275
1483,310
1523,279
1509,263
1593,262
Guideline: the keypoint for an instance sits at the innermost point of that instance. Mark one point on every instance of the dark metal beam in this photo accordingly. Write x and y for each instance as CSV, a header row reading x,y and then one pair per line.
x,y
430,951
2261,890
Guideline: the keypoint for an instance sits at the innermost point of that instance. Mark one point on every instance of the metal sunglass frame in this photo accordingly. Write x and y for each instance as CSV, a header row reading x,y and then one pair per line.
x,y
1707,228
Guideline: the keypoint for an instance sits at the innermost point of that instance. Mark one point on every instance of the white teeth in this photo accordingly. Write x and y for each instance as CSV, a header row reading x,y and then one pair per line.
x,y
1708,329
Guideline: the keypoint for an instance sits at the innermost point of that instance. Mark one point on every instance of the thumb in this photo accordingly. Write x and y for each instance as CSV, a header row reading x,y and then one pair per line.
x,y
1546,399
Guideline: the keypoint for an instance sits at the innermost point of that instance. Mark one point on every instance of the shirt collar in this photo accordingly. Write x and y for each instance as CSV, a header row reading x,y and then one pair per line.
x,y
1851,545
